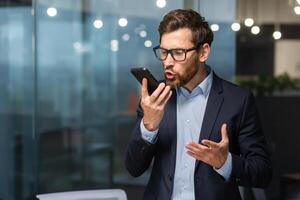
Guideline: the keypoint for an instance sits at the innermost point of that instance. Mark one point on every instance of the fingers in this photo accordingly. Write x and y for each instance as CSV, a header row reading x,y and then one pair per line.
x,y
224,136
160,96
211,152
167,99
198,151
195,147
157,92
224,133
144,90
164,95
210,144
193,155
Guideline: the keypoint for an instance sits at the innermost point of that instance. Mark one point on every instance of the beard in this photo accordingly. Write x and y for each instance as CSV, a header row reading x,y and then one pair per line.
x,y
180,80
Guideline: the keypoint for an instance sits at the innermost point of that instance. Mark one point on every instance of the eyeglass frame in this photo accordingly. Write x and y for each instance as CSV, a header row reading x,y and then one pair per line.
x,y
169,51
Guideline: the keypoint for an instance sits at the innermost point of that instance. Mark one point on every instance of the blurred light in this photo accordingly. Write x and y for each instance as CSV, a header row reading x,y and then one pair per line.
x,y
235,26
297,10
52,12
214,27
123,22
81,48
161,3
148,43
298,1
138,29
249,22
143,33
114,45
76,45
276,35
255,30
125,37
98,23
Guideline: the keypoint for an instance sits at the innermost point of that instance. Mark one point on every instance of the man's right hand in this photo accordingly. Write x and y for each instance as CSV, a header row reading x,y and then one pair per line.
x,y
154,105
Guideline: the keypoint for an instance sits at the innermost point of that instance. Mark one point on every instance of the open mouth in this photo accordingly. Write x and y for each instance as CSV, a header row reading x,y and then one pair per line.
x,y
169,75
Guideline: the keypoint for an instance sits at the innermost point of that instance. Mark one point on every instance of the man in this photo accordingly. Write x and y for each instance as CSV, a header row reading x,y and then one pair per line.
x,y
202,132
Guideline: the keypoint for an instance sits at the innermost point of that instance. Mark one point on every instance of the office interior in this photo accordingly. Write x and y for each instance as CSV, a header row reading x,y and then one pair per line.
x,y
68,99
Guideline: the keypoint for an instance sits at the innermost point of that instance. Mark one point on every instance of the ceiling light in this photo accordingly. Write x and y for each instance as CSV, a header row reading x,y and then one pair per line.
x,y
276,35
297,10
123,22
98,23
214,27
125,37
148,43
235,26
249,22
52,12
161,3
114,45
255,30
143,33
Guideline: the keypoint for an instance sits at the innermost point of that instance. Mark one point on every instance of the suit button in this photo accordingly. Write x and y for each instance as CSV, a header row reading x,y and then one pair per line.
x,y
237,180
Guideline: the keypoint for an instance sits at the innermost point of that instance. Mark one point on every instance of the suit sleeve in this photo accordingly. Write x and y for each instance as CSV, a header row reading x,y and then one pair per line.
x,y
139,153
252,167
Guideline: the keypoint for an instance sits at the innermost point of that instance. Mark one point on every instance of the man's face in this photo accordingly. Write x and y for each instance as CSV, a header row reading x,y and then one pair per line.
x,y
179,73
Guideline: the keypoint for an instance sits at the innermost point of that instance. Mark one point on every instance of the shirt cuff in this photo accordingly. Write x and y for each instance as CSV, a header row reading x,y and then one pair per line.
x,y
148,136
226,169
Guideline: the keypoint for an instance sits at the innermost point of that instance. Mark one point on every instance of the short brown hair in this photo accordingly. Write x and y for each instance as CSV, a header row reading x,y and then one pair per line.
x,y
190,19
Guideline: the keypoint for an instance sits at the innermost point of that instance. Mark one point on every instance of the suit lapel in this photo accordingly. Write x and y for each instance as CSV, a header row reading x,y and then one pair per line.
x,y
213,106
170,115
171,123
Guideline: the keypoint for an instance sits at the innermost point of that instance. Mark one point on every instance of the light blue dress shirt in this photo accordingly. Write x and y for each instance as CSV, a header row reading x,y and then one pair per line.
x,y
190,112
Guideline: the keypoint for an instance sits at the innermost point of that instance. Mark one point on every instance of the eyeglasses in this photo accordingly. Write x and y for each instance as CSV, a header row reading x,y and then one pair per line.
x,y
177,54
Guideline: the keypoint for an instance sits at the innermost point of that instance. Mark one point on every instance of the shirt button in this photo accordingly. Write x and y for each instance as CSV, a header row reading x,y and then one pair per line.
x,y
187,121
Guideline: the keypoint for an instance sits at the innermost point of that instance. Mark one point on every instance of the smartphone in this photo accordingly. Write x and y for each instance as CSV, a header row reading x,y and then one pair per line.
x,y
143,72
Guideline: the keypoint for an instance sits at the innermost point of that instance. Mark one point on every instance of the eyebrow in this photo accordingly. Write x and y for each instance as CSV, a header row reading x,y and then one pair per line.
x,y
175,48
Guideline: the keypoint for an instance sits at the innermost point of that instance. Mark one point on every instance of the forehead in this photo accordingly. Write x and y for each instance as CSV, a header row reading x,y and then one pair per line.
x,y
181,38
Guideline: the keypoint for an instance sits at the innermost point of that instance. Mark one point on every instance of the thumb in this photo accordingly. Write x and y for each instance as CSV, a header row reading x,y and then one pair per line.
x,y
224,132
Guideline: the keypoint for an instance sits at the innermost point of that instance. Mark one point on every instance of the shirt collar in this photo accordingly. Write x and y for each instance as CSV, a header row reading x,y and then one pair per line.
x,y
203,88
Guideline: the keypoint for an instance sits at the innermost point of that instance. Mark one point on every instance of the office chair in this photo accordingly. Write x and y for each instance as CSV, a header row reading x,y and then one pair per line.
x,y
107,194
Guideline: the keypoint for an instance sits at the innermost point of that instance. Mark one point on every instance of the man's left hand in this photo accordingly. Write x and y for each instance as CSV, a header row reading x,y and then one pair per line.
x,y
212,153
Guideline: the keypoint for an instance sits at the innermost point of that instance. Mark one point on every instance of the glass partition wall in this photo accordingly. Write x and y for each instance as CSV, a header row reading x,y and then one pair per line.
x,y
17,135
68,99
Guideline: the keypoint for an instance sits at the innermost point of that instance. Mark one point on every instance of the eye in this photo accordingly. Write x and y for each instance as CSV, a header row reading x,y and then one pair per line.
x,y
163,52
178,52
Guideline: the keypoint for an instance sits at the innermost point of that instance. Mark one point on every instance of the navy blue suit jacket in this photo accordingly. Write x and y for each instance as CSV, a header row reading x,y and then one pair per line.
x,y
251,165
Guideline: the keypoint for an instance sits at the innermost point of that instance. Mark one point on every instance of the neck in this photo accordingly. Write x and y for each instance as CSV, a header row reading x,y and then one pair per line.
x,y
197,78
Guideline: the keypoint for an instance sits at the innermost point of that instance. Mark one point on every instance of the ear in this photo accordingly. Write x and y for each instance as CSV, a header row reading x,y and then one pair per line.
x,y
204,52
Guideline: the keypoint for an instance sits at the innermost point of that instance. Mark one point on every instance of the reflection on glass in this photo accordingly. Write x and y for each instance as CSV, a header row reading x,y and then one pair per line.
x,y
68,100
17,146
